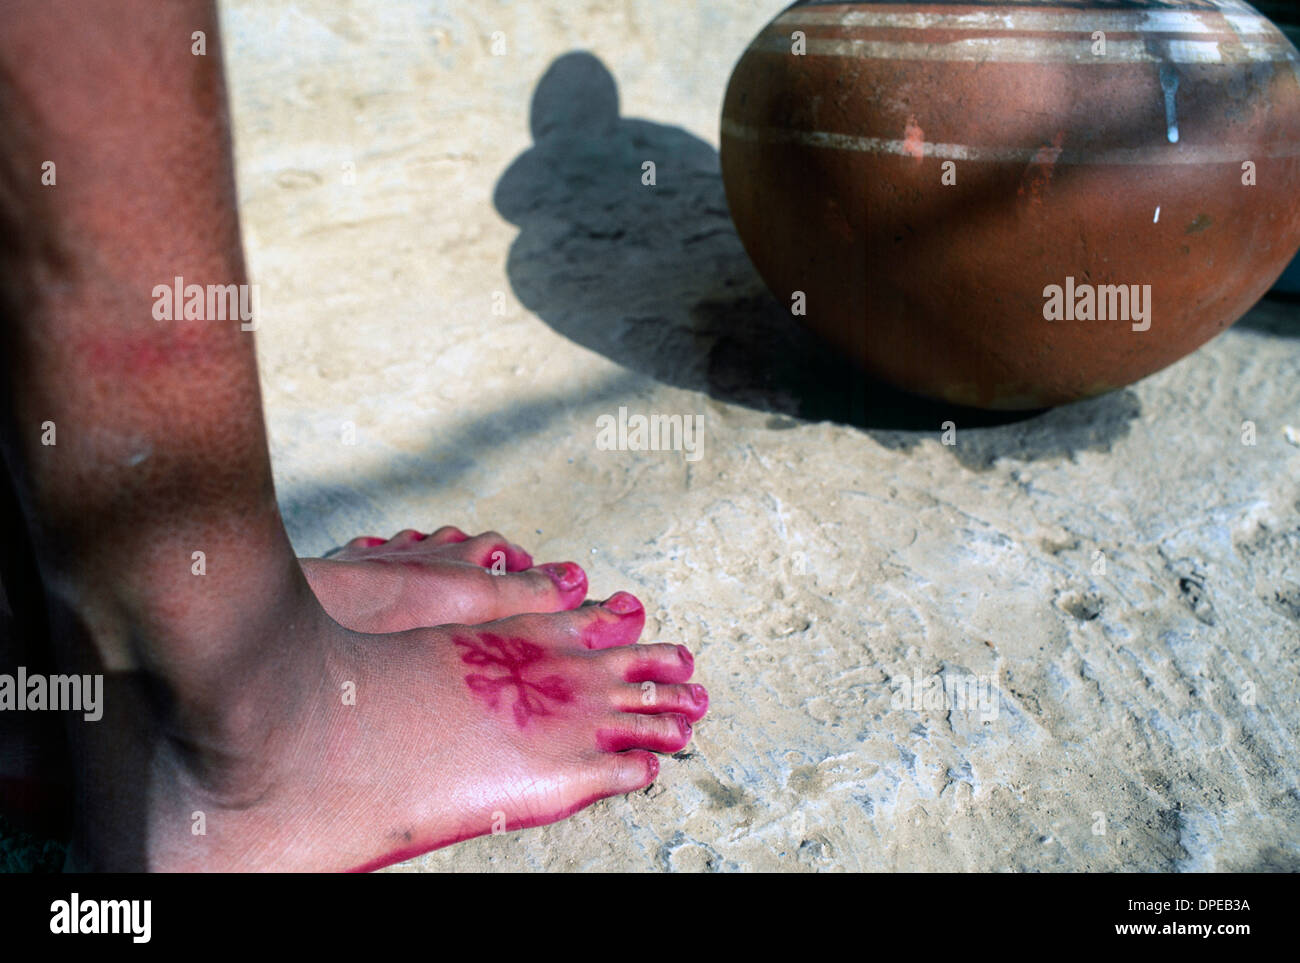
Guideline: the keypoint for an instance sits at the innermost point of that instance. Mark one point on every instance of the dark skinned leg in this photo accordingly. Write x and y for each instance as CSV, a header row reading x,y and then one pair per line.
x,y
235,701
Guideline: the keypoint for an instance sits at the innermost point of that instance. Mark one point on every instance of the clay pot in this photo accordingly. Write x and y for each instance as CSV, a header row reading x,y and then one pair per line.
x,y
927,174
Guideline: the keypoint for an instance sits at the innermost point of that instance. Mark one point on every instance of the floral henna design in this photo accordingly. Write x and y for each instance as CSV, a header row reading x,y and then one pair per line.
x,y
512,656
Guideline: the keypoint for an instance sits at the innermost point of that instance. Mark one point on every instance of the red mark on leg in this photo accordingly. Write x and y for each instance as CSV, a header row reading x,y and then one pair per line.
x,y
143,353
511,657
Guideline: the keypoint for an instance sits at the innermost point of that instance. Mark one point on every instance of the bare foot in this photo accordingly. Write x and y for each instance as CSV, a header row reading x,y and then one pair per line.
x,y
412,580
369,585
364,750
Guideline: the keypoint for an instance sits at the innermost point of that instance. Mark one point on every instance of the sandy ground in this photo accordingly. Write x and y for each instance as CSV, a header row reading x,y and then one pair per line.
x,y
461,271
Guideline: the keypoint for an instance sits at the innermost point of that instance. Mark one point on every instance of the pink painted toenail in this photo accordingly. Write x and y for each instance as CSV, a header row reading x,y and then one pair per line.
x,y
622,603
567,576
700,694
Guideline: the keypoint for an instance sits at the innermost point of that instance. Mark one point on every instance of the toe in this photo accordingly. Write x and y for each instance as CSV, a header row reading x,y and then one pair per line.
x,y
624,772
669,732
365,541
467,594
405,537
593,626
658,663
490,549
617,621
555,587
649,698
448,535
565,580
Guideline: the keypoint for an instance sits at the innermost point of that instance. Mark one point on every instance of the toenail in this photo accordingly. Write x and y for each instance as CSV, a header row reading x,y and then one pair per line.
x,y
566,575
699,694
685,655
622,603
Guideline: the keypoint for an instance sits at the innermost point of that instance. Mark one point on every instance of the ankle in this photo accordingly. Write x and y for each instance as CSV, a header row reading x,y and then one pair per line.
x,y
206,649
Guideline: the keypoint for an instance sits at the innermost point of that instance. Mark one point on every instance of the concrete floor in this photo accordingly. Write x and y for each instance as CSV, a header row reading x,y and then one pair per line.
x,y
1110,591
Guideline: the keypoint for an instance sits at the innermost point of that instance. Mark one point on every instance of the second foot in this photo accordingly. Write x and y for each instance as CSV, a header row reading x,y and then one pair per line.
x,y
414,579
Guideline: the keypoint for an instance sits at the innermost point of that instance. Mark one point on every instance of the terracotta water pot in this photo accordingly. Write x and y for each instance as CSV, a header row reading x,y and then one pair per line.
x,y
1016,204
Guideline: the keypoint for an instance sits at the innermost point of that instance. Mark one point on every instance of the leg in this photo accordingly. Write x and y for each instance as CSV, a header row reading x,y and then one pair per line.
x,y
234,704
